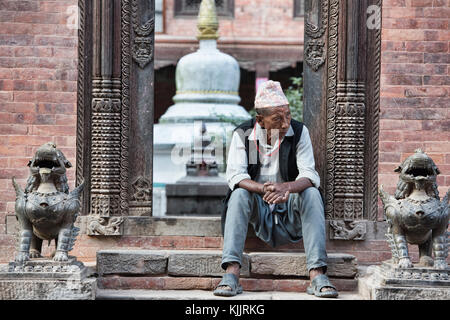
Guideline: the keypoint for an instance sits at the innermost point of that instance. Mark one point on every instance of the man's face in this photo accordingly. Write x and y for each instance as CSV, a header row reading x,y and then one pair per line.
x,y
275,120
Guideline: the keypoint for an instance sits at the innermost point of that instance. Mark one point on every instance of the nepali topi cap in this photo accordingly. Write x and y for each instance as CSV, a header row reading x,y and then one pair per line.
x,y
270,94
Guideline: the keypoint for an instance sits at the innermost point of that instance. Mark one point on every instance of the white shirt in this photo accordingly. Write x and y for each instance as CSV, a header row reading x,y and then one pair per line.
x,y
269,157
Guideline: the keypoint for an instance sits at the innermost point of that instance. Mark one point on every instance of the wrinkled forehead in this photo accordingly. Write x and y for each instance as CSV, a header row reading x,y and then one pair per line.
x,y
272,111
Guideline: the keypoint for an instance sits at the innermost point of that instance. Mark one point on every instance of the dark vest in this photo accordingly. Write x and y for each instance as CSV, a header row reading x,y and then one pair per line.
x,y
288,159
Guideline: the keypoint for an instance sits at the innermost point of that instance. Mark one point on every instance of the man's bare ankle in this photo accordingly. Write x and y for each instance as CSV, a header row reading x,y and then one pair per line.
x,y
234,268
315,272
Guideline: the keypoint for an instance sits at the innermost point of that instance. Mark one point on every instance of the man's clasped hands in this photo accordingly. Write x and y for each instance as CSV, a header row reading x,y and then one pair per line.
x,y
275,192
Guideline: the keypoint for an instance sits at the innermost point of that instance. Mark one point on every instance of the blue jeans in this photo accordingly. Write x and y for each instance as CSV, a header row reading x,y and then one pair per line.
x,y
301,217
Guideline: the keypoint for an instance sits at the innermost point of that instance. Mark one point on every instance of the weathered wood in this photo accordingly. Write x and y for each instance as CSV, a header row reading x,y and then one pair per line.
x,y
116,116
342,104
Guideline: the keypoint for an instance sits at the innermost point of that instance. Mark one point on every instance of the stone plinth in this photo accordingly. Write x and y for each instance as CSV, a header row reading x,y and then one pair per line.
x,y
196,196
388,282
43,279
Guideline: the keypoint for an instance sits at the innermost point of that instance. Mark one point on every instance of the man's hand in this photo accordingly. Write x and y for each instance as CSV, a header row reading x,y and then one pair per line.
x,y
273,192
276,192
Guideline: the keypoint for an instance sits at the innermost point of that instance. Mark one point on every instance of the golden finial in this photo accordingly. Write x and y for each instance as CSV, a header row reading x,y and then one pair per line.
x,y
207,22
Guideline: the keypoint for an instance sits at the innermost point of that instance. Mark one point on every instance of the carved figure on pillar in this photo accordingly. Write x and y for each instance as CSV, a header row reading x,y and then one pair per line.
x,y
416,215
143,41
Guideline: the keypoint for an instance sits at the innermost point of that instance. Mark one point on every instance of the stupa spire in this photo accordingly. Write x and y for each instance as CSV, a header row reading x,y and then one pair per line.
x,y
207,22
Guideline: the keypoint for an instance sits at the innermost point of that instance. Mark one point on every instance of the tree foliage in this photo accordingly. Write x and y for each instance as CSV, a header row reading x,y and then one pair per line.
x,y
294,94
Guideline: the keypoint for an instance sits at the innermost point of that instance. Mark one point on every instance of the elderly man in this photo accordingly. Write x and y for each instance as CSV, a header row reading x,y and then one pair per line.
x,y
273,186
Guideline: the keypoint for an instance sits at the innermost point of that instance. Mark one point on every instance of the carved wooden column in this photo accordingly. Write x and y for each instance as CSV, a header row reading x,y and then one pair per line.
x,y
115,111
342,55
141,110
105,119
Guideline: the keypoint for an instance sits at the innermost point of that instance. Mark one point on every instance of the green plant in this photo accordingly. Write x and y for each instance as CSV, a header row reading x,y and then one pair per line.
x,y
294,94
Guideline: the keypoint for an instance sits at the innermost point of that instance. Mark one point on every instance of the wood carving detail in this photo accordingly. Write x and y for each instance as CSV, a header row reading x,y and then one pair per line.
x,y
315,52
111,39
104,226
143,40
342,230
331,106
142,190
105,150
349,153
375,60
125,121
352,114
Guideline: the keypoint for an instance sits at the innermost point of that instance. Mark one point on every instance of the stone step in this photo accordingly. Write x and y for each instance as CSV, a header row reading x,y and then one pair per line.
x,y
206,263
208,283
103,294
200,270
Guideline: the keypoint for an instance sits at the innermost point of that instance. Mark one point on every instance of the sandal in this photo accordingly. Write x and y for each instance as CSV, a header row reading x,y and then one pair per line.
x,y
318,283
231,281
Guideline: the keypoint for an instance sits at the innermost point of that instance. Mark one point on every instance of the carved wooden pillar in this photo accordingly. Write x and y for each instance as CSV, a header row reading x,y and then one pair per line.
x,y
141,112
115,111
341,109
105,115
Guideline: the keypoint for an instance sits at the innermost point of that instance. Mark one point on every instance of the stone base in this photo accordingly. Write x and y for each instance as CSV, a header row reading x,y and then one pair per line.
x,y
388,282
196,196
201,270
44,279
198,263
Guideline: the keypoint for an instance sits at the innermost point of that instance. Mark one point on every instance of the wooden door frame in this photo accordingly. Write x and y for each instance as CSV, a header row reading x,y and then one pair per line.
x,y
341,78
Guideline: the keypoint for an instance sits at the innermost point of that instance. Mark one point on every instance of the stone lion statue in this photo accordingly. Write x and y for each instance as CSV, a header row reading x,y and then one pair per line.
x,y
416,215
46,210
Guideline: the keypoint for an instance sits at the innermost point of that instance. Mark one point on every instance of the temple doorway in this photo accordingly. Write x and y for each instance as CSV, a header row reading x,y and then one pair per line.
x,y
116,104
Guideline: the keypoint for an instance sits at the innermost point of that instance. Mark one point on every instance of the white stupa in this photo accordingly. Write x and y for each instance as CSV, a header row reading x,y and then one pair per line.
x,y
207,83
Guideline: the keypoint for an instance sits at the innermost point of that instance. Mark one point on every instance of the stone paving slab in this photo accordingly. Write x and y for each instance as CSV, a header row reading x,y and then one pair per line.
x,y
208,295
294,264
208,283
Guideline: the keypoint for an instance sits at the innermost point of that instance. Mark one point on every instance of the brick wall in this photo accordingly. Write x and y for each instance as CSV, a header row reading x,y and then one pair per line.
x,y
38,103
269,18
415,86
38,61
